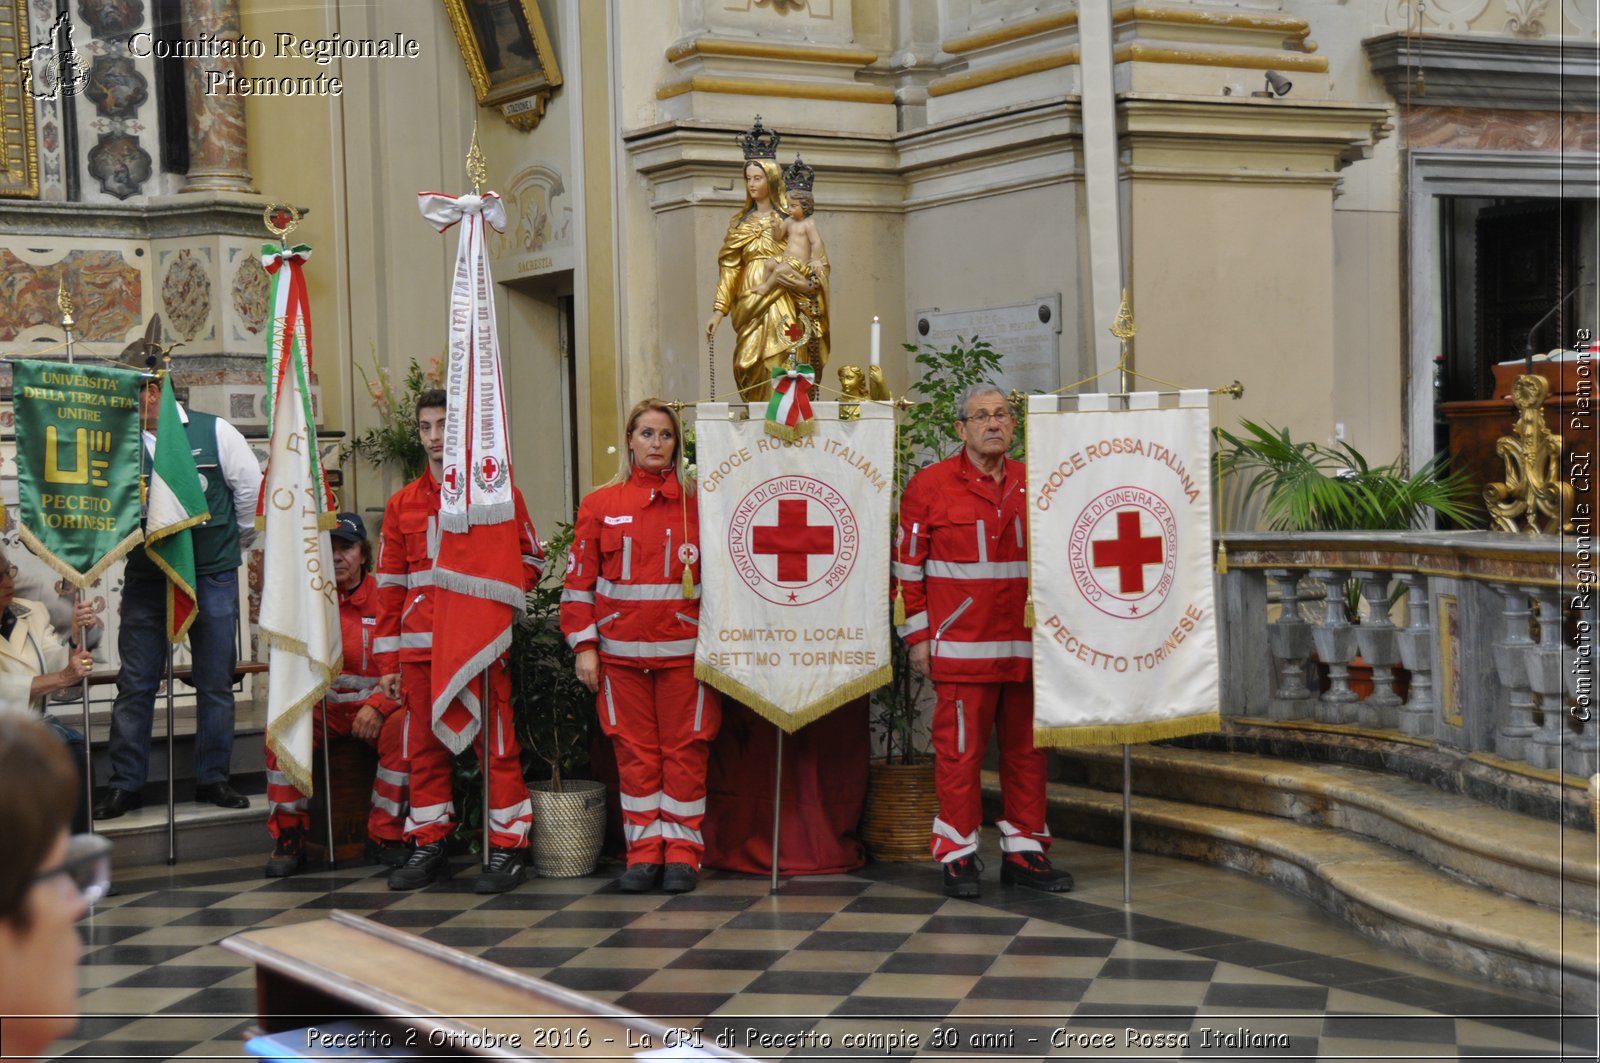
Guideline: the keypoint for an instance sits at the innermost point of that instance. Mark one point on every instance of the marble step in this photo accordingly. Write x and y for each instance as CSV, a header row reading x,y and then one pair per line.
x,y
1529,858
1392,896
202,831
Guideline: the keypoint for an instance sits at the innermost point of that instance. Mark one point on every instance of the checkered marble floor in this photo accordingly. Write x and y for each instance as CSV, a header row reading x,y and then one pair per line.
x,y
1205,963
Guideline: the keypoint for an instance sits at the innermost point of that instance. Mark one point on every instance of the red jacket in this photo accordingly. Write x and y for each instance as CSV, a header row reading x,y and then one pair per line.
x,y
624,584
962,565
357,685
405,570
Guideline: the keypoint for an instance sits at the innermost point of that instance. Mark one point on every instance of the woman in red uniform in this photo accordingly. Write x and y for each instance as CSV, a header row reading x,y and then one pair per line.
x,y
629,608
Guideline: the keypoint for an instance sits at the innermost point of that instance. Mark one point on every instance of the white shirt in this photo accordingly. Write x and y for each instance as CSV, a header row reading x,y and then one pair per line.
x,y
240,470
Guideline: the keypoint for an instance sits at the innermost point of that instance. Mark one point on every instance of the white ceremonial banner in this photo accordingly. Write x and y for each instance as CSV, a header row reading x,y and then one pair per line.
x,y
794,536
1125,632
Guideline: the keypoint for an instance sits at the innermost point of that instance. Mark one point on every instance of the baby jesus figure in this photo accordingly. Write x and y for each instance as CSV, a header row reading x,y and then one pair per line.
x,y
804,261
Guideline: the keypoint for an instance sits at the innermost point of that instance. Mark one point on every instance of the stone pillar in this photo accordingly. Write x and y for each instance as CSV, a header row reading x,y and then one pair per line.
x,y
1379,646
1416,653
1290,639
1511,737
1547,679
217,144
1336,645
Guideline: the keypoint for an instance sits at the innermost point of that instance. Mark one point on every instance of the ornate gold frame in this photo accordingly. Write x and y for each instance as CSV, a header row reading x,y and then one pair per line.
x,y
19,154
521,100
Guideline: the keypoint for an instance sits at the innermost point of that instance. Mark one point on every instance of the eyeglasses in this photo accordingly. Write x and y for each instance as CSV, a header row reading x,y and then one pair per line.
x,y
981,419
87,864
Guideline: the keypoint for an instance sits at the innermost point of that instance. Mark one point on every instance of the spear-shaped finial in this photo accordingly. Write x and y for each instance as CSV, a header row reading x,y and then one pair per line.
x,y
1122,327
64,301
477,171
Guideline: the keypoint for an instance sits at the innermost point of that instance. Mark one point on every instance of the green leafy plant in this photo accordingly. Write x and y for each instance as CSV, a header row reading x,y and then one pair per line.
x,y
926,433
394,440
553,713
1305,486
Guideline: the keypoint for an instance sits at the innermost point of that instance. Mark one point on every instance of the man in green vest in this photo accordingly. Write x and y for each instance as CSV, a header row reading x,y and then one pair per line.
x,y
231,477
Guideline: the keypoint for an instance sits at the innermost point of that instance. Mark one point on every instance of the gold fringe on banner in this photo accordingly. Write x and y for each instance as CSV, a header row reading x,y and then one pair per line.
x,y
1112,734
299,774
172,576
81,580
790,433
790,722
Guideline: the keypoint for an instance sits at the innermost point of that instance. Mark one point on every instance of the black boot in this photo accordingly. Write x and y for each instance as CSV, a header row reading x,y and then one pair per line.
x,y
426,865
289,855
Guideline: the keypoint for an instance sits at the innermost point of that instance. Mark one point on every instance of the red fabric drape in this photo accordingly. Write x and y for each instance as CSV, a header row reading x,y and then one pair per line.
x,y
824,791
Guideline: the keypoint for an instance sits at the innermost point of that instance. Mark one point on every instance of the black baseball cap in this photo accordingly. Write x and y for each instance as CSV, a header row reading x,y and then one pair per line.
x,y
349,528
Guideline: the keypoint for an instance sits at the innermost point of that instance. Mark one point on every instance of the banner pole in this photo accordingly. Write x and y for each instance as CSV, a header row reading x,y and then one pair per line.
x,y
172,766
1127,824
777,808
327,786
88,744
483,765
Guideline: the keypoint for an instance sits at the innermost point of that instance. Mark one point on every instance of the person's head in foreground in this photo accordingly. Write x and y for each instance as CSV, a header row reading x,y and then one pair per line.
x,y
48,879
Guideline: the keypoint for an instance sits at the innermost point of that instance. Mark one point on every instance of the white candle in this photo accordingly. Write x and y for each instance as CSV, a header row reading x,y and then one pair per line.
x,y
877,340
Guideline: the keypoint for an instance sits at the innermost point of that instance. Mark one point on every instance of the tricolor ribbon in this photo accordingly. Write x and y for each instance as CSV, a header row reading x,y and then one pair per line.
x,y
289,351
789,409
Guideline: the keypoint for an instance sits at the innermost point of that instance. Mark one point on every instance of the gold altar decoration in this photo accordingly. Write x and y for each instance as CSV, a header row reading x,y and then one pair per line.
x,y
1533,498
856,384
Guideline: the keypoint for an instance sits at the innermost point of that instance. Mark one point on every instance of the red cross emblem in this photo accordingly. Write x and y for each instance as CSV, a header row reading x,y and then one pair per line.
x,y
1113,541
489,467
793,540
452,479
1128,553
793,332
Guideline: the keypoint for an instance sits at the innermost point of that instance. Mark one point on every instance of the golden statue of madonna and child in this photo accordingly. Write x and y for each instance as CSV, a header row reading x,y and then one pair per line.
x,y
772,271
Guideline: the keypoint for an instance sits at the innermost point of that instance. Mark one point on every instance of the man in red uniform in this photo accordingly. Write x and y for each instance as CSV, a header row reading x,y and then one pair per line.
x,y
405,653
962,567
354,706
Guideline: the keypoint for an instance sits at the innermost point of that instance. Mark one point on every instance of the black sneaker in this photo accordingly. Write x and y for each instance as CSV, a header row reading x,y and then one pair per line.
x,y
961,876
387,852
426,865
1033,870
288,855
639,878
505,871
679,878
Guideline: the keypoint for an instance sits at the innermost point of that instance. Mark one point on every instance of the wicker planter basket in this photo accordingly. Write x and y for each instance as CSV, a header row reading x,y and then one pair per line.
x,y
901,806
568,827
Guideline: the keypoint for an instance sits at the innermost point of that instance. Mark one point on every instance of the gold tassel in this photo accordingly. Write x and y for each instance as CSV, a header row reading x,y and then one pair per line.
x,y
1222,559
1027,613
899,608
688,582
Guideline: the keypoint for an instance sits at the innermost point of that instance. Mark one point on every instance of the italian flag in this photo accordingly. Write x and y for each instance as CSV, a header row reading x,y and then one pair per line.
x,y
176,504
789,409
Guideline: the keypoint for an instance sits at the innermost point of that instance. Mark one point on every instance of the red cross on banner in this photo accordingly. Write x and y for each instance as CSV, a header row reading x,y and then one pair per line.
x,y
1128,553
793,540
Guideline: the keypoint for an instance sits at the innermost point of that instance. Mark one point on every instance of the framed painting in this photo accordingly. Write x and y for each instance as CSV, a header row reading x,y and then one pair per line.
x,y
508,54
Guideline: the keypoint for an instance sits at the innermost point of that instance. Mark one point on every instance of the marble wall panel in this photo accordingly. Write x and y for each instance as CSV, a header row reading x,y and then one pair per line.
x,y
186,294
105,287
1501,130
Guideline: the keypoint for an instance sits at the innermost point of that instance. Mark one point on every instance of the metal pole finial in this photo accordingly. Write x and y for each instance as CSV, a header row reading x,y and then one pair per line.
x,y
477,171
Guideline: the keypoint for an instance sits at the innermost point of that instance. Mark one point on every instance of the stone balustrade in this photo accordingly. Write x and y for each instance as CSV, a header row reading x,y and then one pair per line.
x,y
1474,641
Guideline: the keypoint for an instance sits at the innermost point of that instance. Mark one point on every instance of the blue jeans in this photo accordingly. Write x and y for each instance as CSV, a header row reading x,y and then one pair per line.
x,y
74,743
142,644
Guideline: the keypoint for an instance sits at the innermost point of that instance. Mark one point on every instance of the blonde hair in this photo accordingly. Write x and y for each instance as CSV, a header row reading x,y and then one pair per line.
x,y
640,408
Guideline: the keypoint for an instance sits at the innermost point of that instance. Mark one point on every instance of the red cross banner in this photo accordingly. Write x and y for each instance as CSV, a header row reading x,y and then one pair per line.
x,y
1119,522
794,536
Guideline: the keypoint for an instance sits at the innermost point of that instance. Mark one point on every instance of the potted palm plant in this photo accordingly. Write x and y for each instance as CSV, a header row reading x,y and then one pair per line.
x,y
901,802
554,718
1303,486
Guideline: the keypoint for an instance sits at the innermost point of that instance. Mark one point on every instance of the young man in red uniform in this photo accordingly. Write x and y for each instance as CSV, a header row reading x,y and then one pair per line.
x,y
405,653
962,566
354,706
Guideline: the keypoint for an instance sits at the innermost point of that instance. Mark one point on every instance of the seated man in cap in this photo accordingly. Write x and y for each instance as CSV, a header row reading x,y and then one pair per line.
x,y
355,705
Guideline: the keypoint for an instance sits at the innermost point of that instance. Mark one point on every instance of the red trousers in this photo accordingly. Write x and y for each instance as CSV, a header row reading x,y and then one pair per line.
x,y
962,720
661,722
432,768
286,806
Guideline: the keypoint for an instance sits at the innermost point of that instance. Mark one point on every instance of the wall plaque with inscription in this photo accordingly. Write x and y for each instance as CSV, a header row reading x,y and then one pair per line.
x,y
1026,335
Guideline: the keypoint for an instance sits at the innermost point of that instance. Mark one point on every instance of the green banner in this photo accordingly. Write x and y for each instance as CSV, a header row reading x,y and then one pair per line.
x,y
77,464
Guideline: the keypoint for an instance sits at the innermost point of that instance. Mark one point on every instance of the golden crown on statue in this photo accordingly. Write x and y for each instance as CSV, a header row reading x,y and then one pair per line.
x,y
759,143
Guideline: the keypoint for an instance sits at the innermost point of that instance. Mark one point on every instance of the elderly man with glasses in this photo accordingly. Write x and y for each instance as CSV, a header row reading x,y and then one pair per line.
x,y
961,563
